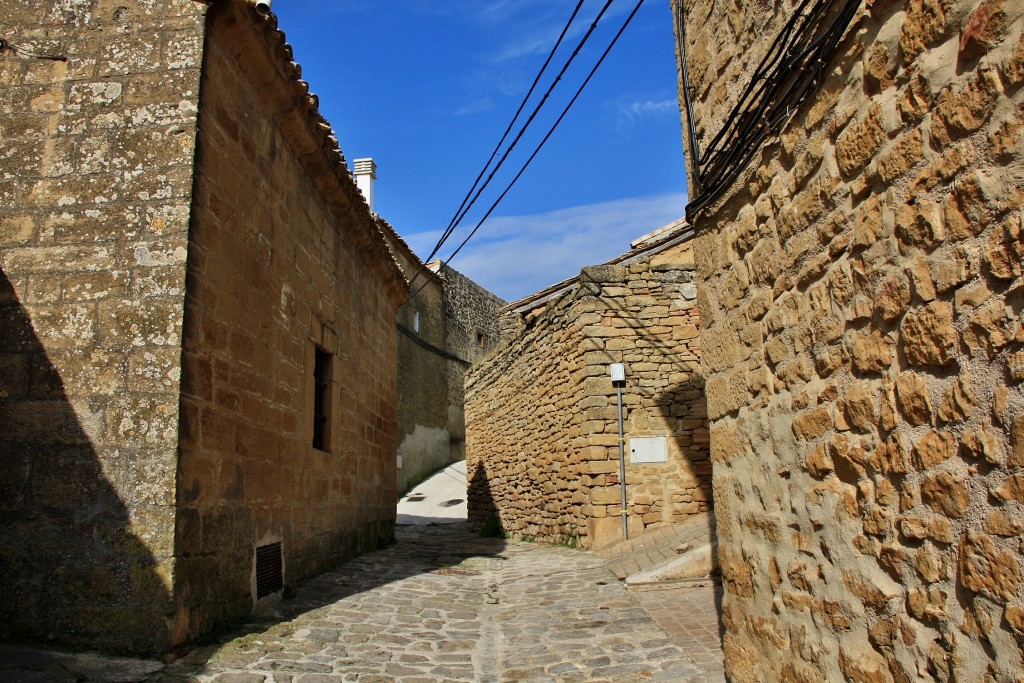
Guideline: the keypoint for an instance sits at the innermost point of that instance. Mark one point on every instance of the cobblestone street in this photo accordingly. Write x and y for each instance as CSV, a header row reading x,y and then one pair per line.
x,y
441,605
446,605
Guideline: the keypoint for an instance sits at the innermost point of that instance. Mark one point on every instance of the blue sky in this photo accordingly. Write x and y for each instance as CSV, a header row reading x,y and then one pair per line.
x,y
427,87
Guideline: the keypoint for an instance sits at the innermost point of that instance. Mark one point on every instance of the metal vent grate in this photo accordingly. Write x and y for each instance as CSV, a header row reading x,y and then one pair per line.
x,y
269,570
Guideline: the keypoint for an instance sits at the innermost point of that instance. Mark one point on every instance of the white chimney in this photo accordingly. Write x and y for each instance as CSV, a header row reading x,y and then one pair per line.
x,y
366,173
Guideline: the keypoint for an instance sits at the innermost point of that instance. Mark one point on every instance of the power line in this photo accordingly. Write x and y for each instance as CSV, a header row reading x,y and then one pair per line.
x,y
522,105
430,347
537,109
540,145
786,77
464,209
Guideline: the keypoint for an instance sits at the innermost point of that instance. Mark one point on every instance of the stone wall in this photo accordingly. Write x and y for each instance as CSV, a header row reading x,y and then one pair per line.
x,y
95,186
471,322
447,324
160,300
425,441
860,293
542,429
270,281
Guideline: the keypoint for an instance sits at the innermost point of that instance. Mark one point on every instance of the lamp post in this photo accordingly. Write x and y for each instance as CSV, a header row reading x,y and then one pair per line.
x,y
618,375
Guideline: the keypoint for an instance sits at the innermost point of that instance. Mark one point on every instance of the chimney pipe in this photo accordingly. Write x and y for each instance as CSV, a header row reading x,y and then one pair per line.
x,y
366,173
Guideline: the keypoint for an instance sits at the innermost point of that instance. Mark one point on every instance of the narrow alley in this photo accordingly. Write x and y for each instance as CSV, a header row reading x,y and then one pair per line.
x,y
444,604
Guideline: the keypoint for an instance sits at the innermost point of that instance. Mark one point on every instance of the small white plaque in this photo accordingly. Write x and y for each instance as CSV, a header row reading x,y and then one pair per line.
x,y
646,449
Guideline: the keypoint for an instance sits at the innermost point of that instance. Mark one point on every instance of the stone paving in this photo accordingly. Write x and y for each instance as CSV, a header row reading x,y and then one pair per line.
x,y
445,605
689,614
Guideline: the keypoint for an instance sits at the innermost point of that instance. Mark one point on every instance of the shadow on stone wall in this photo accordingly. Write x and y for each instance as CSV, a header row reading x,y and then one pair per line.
x,y
688,401
71,570
482,510
682,405
684,408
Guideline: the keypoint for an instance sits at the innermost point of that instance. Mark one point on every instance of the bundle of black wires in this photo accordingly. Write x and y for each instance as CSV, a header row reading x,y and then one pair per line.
x,y
786,77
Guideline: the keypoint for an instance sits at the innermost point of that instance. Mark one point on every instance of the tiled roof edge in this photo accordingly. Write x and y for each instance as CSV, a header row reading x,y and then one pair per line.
x,y
374,246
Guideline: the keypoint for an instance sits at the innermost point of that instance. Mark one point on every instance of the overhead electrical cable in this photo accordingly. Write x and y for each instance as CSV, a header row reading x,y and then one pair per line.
x,y
551,131
30,53
786,77
465,209
459,213
522,105
536,110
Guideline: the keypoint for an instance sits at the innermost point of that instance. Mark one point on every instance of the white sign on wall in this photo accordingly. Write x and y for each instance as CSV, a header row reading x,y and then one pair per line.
x,y
648,449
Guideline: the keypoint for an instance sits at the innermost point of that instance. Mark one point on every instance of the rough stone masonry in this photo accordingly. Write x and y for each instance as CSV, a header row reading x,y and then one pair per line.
x,y
861,299
180,241
541,414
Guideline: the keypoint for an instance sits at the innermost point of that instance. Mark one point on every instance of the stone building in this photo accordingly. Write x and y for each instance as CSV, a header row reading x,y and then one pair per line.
x,y
861,296
197,326
449,324
541,413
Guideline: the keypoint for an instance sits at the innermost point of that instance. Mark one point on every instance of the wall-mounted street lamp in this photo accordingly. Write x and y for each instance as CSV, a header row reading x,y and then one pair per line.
x,y
618,375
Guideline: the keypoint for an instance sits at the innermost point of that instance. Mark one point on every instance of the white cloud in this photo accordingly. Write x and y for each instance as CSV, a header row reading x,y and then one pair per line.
x,y
515,256
537,26
535,43
648,107
630,111
478,106
521,32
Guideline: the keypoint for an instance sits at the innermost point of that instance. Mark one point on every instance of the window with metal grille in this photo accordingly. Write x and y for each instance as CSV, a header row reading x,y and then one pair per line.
x,y
321,400
269,570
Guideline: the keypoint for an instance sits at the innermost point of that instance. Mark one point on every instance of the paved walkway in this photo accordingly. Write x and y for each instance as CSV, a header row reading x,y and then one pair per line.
x,y
680,551
446,605
443,605
440,499
689,614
